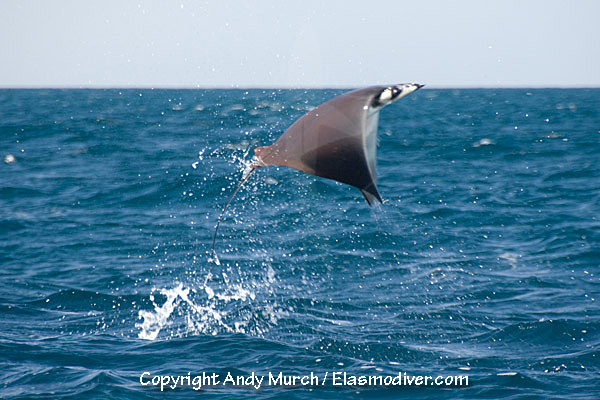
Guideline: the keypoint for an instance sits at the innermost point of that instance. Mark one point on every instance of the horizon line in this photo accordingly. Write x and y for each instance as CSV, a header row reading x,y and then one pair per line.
x,y
284,87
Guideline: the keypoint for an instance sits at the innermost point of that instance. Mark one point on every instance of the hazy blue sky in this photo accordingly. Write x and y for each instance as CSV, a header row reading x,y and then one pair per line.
x,y
303,43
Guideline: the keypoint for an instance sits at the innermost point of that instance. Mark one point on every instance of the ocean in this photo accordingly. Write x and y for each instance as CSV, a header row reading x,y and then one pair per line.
x,y
482,262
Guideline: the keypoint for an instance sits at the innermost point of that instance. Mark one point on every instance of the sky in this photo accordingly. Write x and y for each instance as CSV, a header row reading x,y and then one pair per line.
x,y
301,43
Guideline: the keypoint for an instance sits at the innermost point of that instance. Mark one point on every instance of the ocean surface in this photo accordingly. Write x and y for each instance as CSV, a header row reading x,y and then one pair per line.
x,y
483,260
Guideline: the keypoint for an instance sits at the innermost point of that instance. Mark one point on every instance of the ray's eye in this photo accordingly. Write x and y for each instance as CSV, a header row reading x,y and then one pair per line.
x,y
395,91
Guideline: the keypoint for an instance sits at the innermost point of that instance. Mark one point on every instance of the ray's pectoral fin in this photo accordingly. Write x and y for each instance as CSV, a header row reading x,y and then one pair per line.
x,y
337,156
343,160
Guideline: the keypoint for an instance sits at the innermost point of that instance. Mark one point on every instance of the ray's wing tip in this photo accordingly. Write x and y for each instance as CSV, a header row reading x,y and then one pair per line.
x,y
371,198
260,150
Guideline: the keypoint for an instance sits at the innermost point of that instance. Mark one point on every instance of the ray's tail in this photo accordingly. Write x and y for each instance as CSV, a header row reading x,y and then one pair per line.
x,y
247,176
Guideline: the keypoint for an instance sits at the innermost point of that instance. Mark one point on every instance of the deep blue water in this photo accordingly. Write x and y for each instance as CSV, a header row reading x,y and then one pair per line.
x,y
482,261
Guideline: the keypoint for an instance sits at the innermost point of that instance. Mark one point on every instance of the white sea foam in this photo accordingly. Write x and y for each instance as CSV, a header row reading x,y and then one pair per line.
x,y
154,321
210,308
511,257
484,142
199,318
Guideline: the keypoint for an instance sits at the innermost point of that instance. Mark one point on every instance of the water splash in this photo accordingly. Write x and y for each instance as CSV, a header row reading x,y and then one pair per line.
x,y
154,321
242,306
